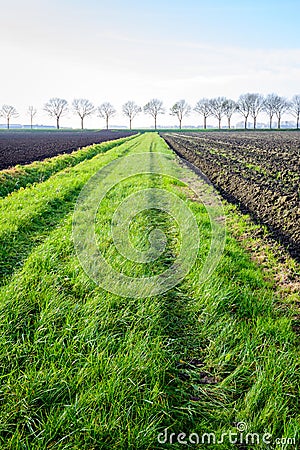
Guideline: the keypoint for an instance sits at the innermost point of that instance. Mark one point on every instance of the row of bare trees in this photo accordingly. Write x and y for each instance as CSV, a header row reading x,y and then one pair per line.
x,y
248,105
57,107
9,112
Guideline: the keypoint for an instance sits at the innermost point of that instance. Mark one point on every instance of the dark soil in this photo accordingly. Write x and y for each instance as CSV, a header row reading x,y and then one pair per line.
x,y
258,171
24,147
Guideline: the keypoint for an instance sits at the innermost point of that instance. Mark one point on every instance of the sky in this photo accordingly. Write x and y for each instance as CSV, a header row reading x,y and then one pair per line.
x,y
137,50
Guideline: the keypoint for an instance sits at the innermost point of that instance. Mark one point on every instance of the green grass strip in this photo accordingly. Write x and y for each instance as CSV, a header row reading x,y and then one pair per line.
x,y
39,171
81,368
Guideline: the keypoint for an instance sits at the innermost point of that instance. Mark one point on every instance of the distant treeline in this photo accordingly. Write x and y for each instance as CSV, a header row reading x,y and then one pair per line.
x,y
248,105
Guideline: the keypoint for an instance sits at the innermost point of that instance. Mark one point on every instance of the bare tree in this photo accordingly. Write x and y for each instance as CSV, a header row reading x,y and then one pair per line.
x,y
244,106
83,108
106,111
229,109
131,109
56,107
154,107
269,106
203,107
180,109
281,106
217,108
32,113
8,111
256,105
295,108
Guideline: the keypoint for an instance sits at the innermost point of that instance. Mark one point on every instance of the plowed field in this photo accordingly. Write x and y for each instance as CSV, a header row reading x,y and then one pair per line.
x,y
260,171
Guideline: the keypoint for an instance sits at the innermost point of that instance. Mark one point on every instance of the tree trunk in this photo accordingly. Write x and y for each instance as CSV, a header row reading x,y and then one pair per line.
x,y
204,122
279,120
31,122
229,122
180,120
245,123
130,120
219,123
57,123
254,123
107,122
8,123
154,122
298,122
271,117
82,123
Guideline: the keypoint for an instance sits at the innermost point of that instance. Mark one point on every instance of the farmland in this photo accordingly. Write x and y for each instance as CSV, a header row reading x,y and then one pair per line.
x,y
18,177
24,147
83,367
259,171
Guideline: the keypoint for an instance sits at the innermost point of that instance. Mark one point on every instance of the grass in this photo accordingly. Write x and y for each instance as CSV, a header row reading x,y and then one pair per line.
x,y
29,214
82,368
22,176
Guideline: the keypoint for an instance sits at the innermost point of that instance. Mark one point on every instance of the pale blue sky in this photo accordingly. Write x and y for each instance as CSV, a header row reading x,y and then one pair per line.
x,y
116,51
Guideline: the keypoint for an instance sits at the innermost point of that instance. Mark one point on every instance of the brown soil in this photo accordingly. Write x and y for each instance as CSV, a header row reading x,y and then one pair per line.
x,y
258,171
